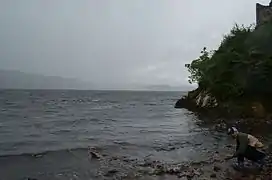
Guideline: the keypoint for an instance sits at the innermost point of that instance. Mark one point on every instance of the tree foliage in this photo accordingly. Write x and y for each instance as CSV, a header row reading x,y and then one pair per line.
x,y
242,65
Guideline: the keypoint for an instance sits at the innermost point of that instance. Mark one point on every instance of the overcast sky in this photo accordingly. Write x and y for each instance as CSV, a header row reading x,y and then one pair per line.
x,y
115,41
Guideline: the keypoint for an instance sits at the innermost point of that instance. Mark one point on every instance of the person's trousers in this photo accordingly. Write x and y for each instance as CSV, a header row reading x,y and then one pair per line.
x,y
252,154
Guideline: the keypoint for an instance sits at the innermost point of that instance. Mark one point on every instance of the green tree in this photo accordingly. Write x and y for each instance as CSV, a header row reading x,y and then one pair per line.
x,y
241,65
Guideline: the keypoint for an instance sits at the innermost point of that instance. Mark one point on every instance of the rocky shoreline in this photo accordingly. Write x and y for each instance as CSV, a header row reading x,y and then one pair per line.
x,y
203,102
252,119
214,167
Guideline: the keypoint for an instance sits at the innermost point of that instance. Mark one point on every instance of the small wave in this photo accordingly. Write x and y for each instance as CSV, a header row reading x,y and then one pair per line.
x,y
110,119
95,100
43,153
102,107
150,104
61,131
123,143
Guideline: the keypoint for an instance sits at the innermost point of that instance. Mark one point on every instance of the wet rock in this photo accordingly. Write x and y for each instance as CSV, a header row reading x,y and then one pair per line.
x,y
182,103
159,166
145,164
159,169
171,148
148,163
128,160
198,144
197,172
176,169
32,179
114,158
216,158
182,175
220,127
111,172
94,154
38,155
158,172
216,168
197,163
213,175
190,173
75,176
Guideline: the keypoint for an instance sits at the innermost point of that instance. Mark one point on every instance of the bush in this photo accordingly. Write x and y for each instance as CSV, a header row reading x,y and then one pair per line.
x,y
240,67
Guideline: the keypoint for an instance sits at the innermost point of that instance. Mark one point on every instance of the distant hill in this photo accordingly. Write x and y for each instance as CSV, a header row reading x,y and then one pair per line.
x,y
169,88
10,79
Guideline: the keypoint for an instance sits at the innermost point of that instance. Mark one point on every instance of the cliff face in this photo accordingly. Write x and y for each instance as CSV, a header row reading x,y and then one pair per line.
x,y
197,99
202,101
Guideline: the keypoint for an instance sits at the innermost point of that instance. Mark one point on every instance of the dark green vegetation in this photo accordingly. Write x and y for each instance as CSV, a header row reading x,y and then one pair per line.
x,y
240,70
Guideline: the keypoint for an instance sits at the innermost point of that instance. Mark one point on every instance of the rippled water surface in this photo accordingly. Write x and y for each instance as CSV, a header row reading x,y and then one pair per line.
x,y
61,125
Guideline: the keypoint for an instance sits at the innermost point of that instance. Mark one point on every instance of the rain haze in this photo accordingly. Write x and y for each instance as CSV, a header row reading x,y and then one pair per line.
x,y
115,43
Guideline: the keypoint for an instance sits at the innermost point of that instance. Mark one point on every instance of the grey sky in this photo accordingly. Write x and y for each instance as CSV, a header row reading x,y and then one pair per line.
x,y
115,41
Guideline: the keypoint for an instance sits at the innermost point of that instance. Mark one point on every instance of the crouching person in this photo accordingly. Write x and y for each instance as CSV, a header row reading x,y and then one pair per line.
x,y
247,146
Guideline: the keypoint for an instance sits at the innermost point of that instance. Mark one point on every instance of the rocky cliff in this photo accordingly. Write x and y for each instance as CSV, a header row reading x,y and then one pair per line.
x,y
236,78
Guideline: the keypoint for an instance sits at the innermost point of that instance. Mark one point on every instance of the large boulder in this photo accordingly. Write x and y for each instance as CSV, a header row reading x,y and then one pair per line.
x,y
182,103
197,99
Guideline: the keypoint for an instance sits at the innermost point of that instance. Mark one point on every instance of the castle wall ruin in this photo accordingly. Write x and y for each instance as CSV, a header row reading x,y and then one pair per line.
x,y
263,13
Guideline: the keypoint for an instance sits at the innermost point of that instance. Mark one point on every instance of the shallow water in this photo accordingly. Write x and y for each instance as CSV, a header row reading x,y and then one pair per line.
x,y
126,127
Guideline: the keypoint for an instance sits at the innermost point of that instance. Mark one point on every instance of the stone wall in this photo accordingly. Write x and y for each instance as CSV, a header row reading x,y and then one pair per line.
x,y
263,13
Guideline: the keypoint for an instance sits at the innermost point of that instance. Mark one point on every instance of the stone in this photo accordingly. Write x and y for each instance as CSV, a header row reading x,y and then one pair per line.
x,y
182,103
216,168
229,146
174,170
159,166
213,175
220,126
111,172
38,155
198,144
158,172
189,174
92,152
181,175
95,155
197,172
